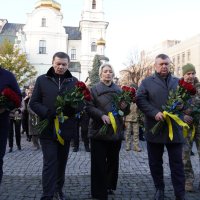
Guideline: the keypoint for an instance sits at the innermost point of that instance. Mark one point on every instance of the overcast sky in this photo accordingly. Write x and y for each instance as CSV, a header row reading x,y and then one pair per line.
x,y
133,24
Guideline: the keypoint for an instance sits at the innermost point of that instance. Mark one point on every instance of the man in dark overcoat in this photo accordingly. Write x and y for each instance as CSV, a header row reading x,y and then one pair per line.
x,y
47,87
151,96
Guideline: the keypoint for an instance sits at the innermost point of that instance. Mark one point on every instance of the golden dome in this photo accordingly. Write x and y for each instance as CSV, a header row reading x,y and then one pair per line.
x,y
48,3
101,41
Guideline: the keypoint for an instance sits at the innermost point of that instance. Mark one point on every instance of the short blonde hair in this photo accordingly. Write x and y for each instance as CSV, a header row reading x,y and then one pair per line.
x,y
106,65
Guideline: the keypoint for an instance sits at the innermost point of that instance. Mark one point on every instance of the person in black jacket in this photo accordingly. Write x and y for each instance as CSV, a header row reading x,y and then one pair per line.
x,y
105,146
152,94
7,79
47,87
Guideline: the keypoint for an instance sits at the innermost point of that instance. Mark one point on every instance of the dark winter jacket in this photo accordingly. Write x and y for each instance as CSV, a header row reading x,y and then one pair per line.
x,y
101,104
7,79
151,96
42,102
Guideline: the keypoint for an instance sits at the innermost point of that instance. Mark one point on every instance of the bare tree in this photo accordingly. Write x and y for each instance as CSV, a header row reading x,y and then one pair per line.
x,y
136,71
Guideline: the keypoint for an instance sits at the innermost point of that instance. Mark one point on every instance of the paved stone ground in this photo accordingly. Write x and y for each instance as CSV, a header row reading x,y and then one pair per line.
x,y
22,175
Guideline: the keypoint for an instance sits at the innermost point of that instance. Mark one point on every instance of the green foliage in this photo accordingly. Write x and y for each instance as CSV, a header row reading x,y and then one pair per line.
x,y
94,73
16,62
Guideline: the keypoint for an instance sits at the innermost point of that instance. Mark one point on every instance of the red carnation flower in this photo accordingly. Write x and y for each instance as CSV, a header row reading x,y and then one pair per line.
x,y
80,85
87,95
9,99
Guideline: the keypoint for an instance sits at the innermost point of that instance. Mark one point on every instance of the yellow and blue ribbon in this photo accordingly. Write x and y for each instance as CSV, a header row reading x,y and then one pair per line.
x,y
57,129
57,121
113,122
167,117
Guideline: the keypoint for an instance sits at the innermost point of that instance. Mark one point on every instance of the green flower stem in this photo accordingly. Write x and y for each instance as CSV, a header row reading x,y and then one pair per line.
x,y
40,127
103,129
157,127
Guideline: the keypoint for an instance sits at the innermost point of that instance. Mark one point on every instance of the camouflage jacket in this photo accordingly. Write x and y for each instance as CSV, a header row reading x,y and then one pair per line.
x,y
133,115
196,110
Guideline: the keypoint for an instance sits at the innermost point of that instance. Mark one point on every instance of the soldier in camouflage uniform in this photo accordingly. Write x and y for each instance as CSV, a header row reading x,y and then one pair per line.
x,y
197,136
195,103
132,126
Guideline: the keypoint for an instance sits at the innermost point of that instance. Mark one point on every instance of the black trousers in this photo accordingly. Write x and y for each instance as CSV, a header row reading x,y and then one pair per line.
x,y
155,154
54,163
4,129
104,166
84,136
15,127
25,126
83,124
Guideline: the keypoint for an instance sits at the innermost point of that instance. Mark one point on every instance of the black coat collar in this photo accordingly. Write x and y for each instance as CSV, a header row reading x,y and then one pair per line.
x,y
51,73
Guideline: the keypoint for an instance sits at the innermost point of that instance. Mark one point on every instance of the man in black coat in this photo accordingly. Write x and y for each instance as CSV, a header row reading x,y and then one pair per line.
x,y
151,96
7,80
47,87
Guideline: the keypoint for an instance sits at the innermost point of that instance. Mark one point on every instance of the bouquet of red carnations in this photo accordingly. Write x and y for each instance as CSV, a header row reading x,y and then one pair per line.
x,y
176,101
72,98
9,99
127,96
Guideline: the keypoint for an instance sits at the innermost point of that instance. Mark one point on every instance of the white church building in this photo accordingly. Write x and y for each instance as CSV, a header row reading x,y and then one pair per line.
x,y
44,34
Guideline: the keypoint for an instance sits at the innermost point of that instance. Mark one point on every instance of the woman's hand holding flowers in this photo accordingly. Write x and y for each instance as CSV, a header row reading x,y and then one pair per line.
x,y
105,119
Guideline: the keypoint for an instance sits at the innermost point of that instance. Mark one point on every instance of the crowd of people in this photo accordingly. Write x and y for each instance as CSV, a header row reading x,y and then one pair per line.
x,y
38,103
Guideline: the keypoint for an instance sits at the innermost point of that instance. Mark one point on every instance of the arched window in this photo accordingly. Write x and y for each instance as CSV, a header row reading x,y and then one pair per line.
x,y
93,47
43,22
42,46
93,4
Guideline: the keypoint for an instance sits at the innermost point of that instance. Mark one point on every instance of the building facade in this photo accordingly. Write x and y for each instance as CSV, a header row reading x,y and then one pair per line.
x,y
44,34
180,52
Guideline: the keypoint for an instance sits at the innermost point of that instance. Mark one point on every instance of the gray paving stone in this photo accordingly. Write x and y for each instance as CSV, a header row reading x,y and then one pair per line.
x,y
22,175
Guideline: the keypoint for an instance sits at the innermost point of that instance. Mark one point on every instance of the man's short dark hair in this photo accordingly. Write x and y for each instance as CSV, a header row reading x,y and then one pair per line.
x,y
61,55
162,56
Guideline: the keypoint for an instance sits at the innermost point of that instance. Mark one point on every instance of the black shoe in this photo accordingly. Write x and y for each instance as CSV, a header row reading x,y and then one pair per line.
x,y
75,149
19,147
99,198
159,195
59,196
141,138
87,148
110,192
10,150
180,198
